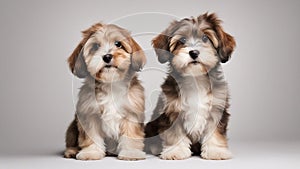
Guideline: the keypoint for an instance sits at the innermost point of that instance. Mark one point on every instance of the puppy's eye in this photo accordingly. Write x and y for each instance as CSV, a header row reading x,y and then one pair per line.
x,y
95,46
205,38
118,44
182,40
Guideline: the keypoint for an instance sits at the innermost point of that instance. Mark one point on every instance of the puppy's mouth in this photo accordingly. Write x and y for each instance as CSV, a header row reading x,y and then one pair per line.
x,y
110,67
194,62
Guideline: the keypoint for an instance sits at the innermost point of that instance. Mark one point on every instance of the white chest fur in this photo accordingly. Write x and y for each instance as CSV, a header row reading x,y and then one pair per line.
x,y
112,103
196,103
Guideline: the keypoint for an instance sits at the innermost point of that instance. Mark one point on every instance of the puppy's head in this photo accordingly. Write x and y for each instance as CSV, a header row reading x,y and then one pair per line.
x,y
193,46
107,53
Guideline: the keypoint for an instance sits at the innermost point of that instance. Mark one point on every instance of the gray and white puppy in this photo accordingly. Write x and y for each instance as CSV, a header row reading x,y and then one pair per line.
x,y
192,109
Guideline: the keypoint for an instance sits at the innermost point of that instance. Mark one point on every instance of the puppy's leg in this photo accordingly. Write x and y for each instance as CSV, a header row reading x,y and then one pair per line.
x,y
215,147
90,149
176,144
72,140
153,142
131,142
111,147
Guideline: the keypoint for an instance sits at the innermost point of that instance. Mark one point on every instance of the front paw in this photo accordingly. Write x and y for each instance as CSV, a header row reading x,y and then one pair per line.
x,y
90,155
216,153
176,154
132,155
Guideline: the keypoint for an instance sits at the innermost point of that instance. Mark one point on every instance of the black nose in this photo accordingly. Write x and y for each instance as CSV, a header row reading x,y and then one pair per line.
x,y
107,58
194,54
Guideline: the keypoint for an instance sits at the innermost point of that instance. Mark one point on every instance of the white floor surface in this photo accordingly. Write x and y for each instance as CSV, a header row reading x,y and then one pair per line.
x,y
266,155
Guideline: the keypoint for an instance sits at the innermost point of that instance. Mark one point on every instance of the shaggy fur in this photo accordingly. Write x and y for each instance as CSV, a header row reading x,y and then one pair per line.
x,y
110,110
193,106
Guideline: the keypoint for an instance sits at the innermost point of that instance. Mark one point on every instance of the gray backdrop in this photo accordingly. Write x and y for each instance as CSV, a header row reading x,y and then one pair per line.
x,y
37,36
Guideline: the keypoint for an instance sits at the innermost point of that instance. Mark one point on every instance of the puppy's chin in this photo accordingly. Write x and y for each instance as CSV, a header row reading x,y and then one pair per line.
x,y
109,74
194,69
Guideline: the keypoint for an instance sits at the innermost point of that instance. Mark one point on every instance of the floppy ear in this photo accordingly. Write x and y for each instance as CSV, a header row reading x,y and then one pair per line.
x,y
161,47
161,43
76,60
138,58
226,43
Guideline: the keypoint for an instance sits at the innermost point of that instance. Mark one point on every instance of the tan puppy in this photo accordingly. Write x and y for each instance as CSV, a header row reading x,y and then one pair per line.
x,y
110,110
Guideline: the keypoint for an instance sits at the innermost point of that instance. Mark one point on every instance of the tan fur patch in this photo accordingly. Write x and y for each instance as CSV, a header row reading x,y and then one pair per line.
x,y
131,129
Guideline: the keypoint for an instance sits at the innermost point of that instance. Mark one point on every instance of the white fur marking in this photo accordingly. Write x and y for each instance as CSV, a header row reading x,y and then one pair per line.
x,y
195,103
112,112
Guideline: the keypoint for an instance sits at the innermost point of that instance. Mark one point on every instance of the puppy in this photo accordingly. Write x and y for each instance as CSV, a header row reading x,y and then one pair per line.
x,y
110,110
193,105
